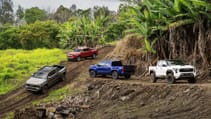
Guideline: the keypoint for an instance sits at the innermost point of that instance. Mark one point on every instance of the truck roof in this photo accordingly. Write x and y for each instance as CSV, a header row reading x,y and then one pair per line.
x,y
47,69
170,60
112,60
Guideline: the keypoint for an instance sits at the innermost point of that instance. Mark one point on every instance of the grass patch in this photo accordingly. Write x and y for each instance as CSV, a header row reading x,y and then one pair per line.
x,y
17,65
59,94
10,115
114,42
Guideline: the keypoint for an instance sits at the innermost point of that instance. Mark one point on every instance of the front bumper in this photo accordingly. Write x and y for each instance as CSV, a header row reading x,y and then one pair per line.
x,y
33,88
185,75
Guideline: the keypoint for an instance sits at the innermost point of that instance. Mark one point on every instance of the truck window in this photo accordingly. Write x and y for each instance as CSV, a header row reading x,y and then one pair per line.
x,y
52,73
77,50
102,63
176,62
161,63
86,49
116,63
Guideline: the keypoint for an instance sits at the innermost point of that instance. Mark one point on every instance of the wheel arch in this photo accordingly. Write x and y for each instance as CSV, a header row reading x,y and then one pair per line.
x,y
114,71
151,71
169,71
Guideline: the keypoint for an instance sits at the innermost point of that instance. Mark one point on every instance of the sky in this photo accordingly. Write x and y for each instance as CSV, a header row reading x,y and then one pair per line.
x,y
52,5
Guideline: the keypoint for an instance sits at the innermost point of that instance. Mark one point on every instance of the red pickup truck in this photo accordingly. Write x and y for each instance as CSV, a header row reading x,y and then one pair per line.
x,y
82,52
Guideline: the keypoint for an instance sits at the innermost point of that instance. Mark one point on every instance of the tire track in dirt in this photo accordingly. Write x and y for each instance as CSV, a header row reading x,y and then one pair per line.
x,y
19,98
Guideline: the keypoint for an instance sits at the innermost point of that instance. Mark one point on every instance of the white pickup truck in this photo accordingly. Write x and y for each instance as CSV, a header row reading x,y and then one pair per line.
x,y
172,70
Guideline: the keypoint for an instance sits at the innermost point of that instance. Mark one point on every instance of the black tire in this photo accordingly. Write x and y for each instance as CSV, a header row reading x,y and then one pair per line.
x,y
153,78
44,90
94,56
63,77
170,78
78,58
115,75
192,80
92,74
127,76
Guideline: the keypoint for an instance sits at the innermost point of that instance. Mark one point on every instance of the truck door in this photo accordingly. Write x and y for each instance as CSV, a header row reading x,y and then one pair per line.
x,y
52,77
161,68
100,66
85,52
107,68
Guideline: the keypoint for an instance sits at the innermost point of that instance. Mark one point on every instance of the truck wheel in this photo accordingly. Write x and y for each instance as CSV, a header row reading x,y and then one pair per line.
x,y
45,90
153,78
78,58
68,60
127,76
92,74
170,78
63,77
114,75
192,80
94,56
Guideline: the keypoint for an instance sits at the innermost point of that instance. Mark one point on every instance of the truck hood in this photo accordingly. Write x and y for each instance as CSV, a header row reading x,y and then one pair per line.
x,y
74,53
181,66
35,81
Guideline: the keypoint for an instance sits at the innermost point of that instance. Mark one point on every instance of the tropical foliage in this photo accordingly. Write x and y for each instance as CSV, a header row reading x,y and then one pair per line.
x,y
37,35
177,25
83,31
34,14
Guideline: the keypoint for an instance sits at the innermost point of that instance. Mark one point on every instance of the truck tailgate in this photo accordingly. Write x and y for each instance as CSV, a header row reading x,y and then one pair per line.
x,y
129,69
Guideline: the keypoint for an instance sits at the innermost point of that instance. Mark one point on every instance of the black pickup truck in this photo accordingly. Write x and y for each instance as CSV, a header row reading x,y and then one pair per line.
x,y
45,77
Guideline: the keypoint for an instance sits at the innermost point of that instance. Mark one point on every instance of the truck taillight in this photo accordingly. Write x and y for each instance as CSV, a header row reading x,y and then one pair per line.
x,y
123,69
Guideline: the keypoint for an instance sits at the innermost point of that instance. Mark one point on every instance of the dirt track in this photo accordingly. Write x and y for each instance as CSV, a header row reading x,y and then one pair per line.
x,y
19,98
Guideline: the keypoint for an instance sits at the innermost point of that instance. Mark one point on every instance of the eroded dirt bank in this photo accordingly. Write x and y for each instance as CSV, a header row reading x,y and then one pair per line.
x,y
108,99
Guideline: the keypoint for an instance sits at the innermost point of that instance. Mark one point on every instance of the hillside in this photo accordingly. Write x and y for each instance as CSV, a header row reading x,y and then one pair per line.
x,y
20,98
122,99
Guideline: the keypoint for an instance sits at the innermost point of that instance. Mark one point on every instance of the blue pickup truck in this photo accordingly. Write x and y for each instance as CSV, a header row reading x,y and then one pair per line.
x,y
113,68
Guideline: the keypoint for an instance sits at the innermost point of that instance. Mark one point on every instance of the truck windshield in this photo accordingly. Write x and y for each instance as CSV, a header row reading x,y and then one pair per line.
x,y
77,50
175,62
116,63
40,75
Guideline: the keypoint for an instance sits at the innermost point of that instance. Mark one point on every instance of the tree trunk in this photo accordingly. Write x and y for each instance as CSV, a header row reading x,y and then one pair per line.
x,y
172,43
202,45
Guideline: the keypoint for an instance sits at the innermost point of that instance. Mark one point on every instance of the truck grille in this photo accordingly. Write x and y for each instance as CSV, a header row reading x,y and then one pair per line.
x,y
32,87
186,70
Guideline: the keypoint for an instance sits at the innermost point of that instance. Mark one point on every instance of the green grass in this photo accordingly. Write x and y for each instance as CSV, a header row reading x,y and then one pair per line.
x,y
58,94
10,115
18,65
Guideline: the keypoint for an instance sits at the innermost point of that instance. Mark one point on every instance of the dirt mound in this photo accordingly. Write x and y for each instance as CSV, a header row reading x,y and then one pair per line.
x,y
130,51
107,99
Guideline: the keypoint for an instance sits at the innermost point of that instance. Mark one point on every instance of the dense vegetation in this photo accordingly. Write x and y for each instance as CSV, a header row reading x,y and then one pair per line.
x,y
65,28
18,65
173,29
